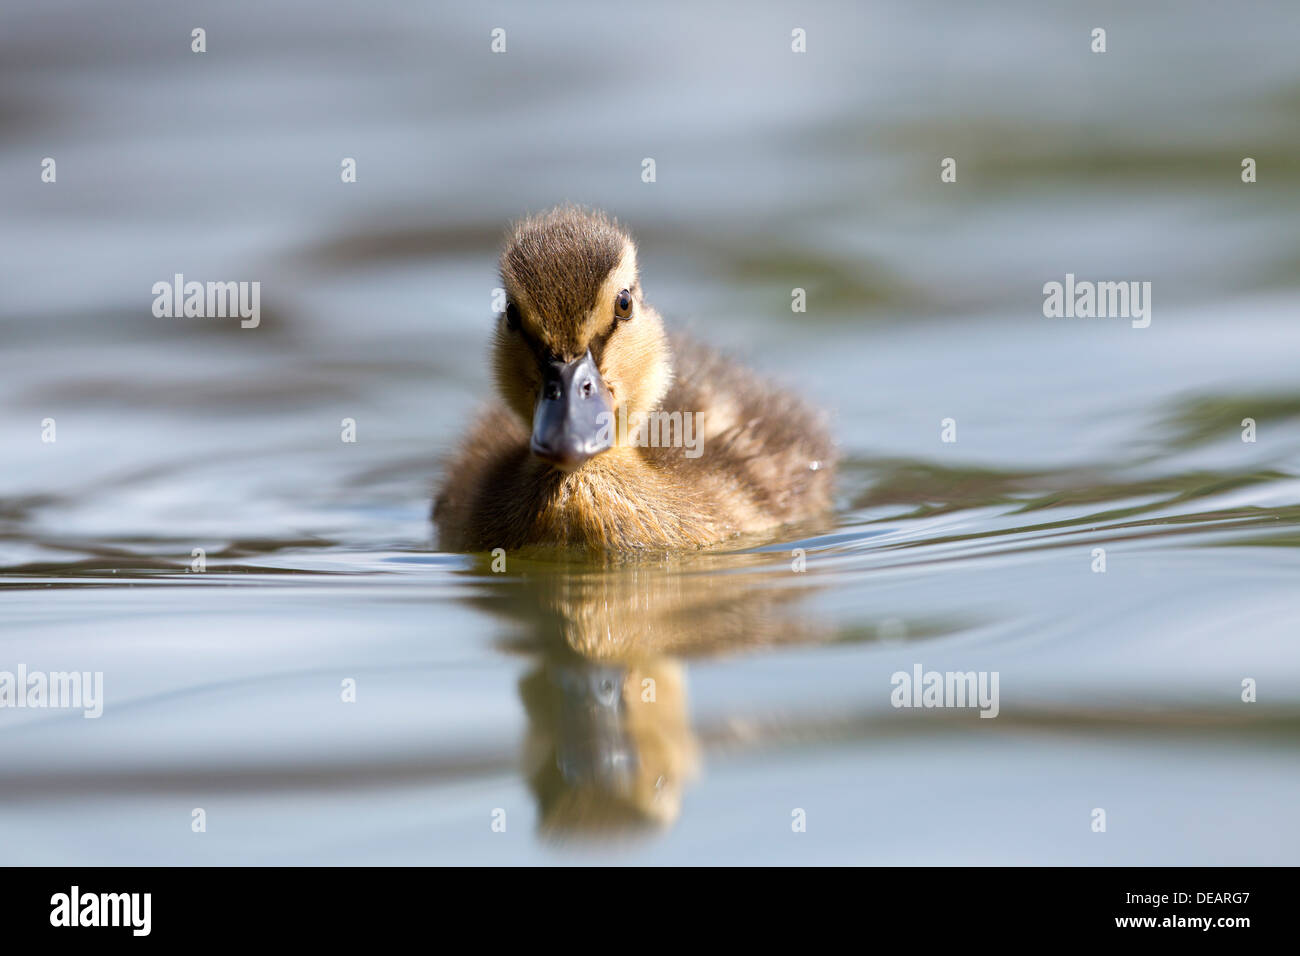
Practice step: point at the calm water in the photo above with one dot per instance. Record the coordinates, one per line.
(520, 692)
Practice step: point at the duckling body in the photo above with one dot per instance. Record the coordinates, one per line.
(583, 359)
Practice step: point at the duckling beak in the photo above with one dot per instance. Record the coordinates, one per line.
(573, 420)
(593, 743)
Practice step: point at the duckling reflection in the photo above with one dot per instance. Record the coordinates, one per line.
(610, 746)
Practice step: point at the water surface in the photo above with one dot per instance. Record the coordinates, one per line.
(521, 691)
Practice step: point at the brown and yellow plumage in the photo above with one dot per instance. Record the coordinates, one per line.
(564, 349)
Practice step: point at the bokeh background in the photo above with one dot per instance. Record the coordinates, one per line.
(519, 692)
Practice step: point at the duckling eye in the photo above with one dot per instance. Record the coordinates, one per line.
(623, 305)
(512, 317)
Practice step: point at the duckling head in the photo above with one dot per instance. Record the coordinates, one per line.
(577, 349)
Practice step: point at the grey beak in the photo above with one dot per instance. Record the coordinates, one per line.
(573, 420)
(593, 744)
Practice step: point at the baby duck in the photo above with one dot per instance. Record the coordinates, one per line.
(609, 436)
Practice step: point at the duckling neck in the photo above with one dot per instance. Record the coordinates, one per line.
(617, 500)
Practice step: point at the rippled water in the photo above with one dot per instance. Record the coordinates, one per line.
(522, 691)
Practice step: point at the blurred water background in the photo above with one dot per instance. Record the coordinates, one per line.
(520, 692)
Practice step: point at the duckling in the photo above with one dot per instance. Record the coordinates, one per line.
(569, 457)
